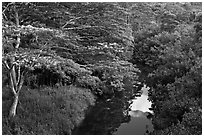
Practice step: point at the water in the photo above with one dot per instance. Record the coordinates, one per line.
(118, 117)
(139, 123)
(136, 126)
(141, 103)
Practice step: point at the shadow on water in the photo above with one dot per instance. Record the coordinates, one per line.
(103, 119)
(126, 113)
(118, 116)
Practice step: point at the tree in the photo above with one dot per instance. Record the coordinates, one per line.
(101, 27)
(15, 74)
(172, 48)
(19, 56)
(35, 34)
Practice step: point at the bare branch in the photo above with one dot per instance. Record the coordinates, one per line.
(4, 16)
(16, 16)
(7, 7)
(17, 25)
(75, 20)
(6, 64)
(12, 66)
(19, 74)
(18, 41)
(70, 21)
(20, 84)
(13, 73)
(12, 84)
(83, 27)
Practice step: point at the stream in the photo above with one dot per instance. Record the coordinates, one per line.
(117, 116)
(139, 112)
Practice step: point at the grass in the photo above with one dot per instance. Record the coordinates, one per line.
(46, 111)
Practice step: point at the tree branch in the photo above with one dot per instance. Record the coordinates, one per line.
(76, 19)
(20, 83)
(4, 16)
(7, 7)
(13, 73)
(83, 27)
(19, 74)
(6, 64)
(70, 22)
(12, 84)
(17, 25)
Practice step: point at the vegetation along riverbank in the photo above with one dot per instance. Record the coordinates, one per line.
(59, 59)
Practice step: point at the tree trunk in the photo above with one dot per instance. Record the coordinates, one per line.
(12, 112)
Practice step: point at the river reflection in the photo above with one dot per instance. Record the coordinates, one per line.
(112, 116)
(141, 103)
(139, 124)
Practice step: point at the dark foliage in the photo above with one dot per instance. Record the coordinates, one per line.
(173, 50)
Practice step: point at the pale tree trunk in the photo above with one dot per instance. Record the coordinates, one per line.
(15, 74)
(16, 83)
(13, 108)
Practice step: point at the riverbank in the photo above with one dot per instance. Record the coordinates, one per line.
(46, 111)
(55, 109)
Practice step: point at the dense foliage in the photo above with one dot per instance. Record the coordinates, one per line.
(173, 48)
(65, 55)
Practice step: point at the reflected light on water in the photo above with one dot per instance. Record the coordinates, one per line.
(139, 123)
(110, 117)
(141, 103)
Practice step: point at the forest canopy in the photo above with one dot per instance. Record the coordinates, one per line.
(55, 54)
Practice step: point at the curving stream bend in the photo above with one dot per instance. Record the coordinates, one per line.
(117, 117)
